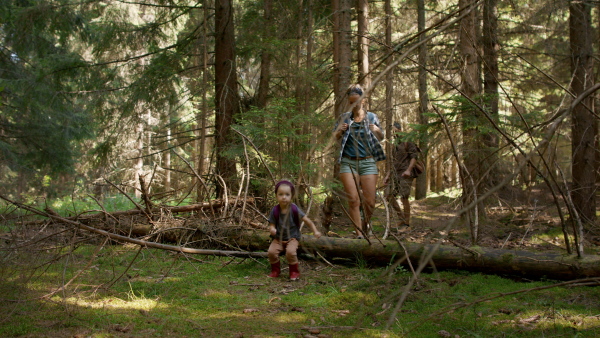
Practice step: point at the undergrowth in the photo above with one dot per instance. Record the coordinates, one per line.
(126, 292)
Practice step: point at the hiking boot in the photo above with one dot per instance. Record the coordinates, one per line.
(275, 270)
(294, 273)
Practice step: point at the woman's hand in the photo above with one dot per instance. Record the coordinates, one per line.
(317, 234)
(273, 231)
(341, 129)
(407, 174)
(376, 131)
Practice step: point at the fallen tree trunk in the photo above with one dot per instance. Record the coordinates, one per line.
(520, 263)
(173, 209)
(552, 265)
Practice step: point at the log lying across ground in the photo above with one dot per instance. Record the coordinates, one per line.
(534, 265)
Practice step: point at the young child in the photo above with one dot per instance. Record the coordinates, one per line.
(284, 225)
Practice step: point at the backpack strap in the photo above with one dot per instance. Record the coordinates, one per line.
(276, 212)
(295, 214)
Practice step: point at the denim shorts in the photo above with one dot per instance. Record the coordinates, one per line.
(367, 166)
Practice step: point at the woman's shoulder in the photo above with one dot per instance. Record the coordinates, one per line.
(372, 116)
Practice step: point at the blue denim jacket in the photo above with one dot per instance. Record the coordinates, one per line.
(372, 142)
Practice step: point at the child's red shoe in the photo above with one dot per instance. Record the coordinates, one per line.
(275, 270)
(294, 273)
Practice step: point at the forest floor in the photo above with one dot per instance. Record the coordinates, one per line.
(127, 291)
(515, 219)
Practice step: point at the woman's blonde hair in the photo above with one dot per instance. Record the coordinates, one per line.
(355, 88)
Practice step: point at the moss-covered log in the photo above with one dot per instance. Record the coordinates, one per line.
(521, 263)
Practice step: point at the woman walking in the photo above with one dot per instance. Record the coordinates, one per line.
(360, 133)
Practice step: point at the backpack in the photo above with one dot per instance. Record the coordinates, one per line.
(295, 214)
(419, 166)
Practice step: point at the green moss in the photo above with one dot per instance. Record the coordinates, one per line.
(165, 294)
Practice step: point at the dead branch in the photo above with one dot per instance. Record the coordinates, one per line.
(138, 241)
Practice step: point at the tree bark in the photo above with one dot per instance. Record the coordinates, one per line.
(584, 126)
(167, 153)
(226, 97)
(389, 85)
(490, 87)
(342, 48)
(422, 180)
(201, 192)
(139, 162)
(496, 261)
(364, 77)
(265, 62)
(471, 88)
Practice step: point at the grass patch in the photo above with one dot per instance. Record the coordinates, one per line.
(166, 294)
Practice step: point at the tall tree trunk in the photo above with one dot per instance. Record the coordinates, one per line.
(471, 88)
(584, 126)
(309, 71)
(226, 99)
(167, 154)
(335, 8)
(342, 47)
(490, 87)
(265, 62)
(422, 180)
(139, 162)
(364, 77)
(200, 188)
(389, 85)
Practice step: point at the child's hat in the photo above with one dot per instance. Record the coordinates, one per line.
(286, 182)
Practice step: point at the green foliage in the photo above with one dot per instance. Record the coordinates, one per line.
(41, 122)
(68, 206)
(277, 132)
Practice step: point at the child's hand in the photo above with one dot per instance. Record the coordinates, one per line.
(317, 234)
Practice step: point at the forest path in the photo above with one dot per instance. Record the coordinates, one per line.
(519, 220)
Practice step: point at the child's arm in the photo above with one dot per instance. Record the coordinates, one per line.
(312, 226)
(272, 230)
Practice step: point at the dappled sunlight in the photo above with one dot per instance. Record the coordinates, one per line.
(217, 294)
(158, 279)
(550, 319)
(136, 303)
(282, 317)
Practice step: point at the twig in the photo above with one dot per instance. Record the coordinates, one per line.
(225, 196)
(197, 176)
(257, 152)
(471, 251)
(412, 269)
(132, 201)
(348, 214)
(456, 306)
(111, 283)
(323, 258)
(503, 244)
(137, 241)
(78, 274)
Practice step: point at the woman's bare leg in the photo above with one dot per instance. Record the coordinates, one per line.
(350, 181)
(368, 184)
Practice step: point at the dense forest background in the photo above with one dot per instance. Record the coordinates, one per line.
(193, 101)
